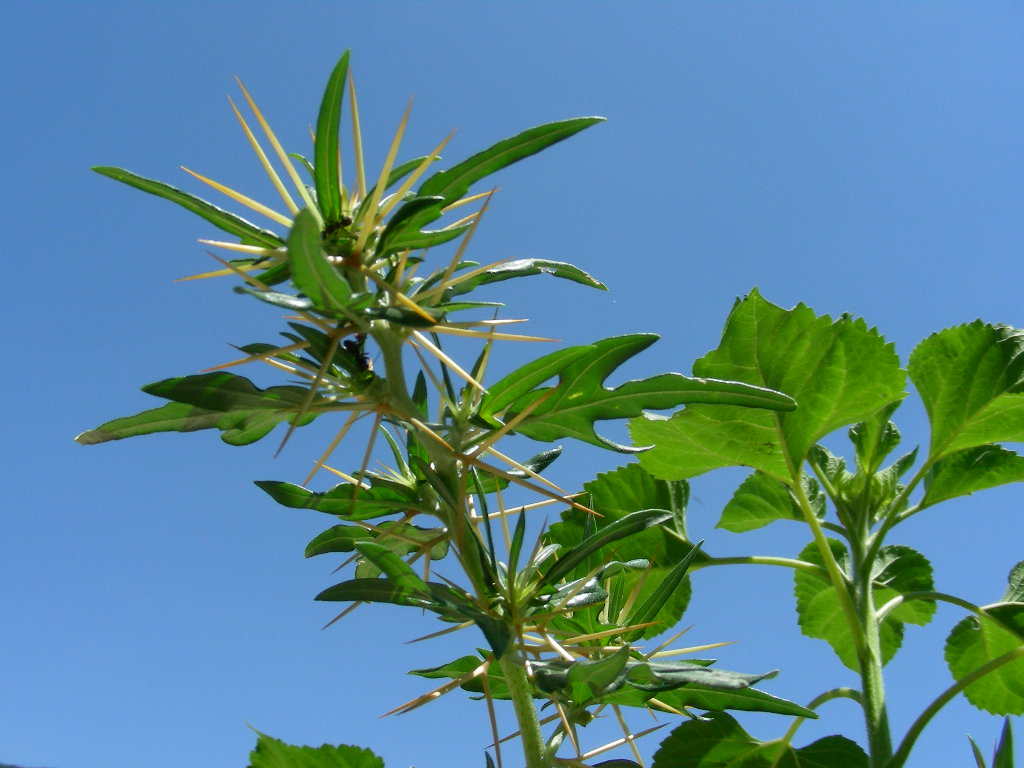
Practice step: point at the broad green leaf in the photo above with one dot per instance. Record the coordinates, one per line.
(971, 469)
(898, 570)
(589, 680)
(971, 380)
(326, 150)
(1015, 589)
(242, 411)
(345, 500)
(456, 181)
(762, 499)
(975, 641)
(523, 268)
(271, 753)
(229, 222)
(839, 372)
(718, 741)
(570, 408)
(311, 272)
(614, 495)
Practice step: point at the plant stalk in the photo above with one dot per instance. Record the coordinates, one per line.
(520, 692)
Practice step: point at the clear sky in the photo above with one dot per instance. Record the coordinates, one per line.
(858, 157)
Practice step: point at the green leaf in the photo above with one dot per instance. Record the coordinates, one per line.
(579, 399)
(1003, 757)
(718, 741)
(762, 499)
(407, 220)
(898, 570)
(311, 272)
(971, 380)
(377, 591)
(399, 572)
(523, 268)
(326, 151)
(229, 222)
(971, 469)
(620, 529)
(589, 680)
(271, 753)
(345, 500)
(697, 696)
(456, 181)
(977, 640)
(613, 496)
(840, 372)
(242, 411)
(653, 606)
(1015, 589)
(875, 438)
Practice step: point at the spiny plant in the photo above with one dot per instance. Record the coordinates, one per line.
(563, 618)
(369, 303)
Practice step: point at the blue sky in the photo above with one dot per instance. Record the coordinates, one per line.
(860, 158)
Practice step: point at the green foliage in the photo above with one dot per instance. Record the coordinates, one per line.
(431, 528)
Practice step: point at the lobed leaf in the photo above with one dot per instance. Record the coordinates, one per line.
(898, 570)
(580, 399)
(839, 372)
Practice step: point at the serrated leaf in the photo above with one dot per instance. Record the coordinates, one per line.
(898, 570)
(972, 469)
(311, 272)
(456, 181)
(345, 499)
(975, 641)
(242, 411)
(1015, 589)
(718, 741)
(839, 372)
(762, 499)
(580, 398)
(225, 220)
(271, 753)
(971, 380)
(326, 149)
(524, 268)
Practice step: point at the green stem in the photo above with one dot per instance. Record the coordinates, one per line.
(903, 752)
(520, 692)
(817, 701)
(784, 562)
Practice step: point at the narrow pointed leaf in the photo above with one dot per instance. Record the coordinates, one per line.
(839, 372)
(225, 220)
(1003, 756)
(311, 272)
(326, 149)
(271, 753)
(456, 181)
(376, 591)
(620, 529)
(971, 380)
(523, 268)
(394, 567)
(242, 411)
(344, 500)
(651, 608)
